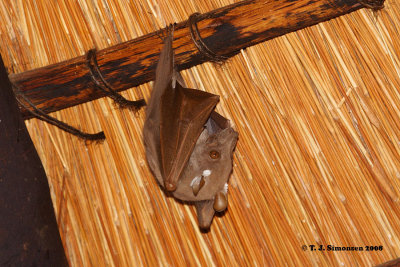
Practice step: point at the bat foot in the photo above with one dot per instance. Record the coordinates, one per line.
(164, 33)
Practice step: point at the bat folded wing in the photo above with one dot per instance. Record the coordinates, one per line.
(184, 113)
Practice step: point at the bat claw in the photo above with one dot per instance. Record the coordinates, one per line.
(170, 186)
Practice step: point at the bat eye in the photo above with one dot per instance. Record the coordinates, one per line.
(214, 154)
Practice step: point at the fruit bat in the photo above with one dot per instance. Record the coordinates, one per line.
(188, 145)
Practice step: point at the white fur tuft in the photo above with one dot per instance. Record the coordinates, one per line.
(206, 173)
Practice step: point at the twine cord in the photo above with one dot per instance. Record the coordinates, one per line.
(199, 43)
(374, 5)
(106, 87)
(41, 115)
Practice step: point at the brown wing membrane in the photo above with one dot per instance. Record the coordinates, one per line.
(151, 129)
(184, 113)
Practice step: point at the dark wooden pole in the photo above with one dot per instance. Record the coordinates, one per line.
(224, 31)
(28, 229)
(392, 263)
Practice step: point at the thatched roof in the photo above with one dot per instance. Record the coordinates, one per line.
(318, 157)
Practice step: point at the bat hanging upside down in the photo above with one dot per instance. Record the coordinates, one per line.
(188, 145)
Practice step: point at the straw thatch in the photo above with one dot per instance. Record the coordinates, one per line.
(317, 163)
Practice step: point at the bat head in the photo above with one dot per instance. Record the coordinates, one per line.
(205, 177)
(209, 166)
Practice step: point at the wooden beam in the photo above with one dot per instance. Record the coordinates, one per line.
(225, 31)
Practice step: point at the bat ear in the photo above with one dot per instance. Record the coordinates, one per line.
(203, 136)
(220, 202)
(229, 137)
